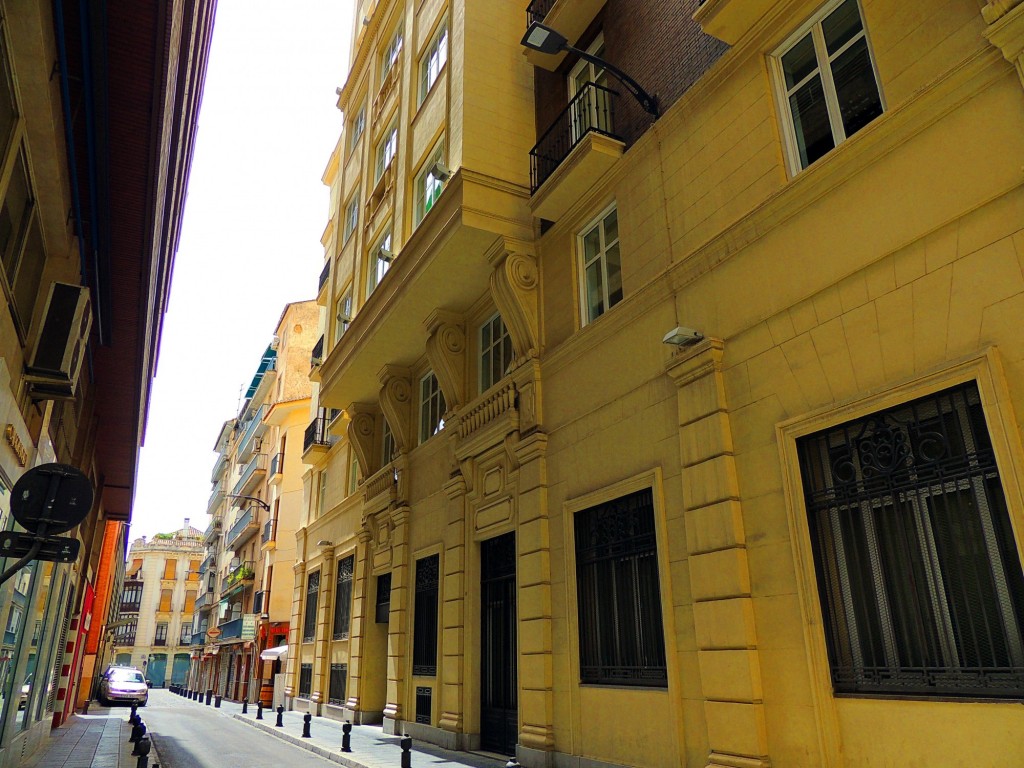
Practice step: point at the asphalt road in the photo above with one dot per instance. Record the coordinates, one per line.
(189, 736)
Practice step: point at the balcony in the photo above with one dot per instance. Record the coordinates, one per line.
(260, 602)
(10, 637)
(238, 577)
(199, 638)
(577, 149)
(269, 540)
(121, 641)
(159, 641)
(216, 497)
(218, 468)
(212, 531)
(250, 440)
(130, 607)
(208, 563)
(230, 630)
(243, 529)
(316, 356)
(276, 471)
(254, 471)
(316, 441)
(569, 17)
(325, 275)
(730, 20)
(204, 601)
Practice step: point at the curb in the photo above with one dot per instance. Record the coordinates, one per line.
(336, 757)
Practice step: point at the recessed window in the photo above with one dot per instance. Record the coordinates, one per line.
(160, 636)
(21, 243)
(424, 643)
(321, 493)
(434, 60)
(312, 597)
(389, 57)
(356, 126)
(386, 151)
(622, 640)
(495, 352)
(387, 444)
(379, 262)
(827, 82)
(590, 106)
(343, 597)
(430, 183)
(432, 407)
(305, 680)
(336, 690)
(920, 582)
(353, 473)
(600, 265)
(351, 218)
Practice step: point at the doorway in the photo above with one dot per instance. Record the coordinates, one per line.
(499, 714)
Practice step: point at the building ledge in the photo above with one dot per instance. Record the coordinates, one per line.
(590, 159)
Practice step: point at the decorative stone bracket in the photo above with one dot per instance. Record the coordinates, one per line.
(395, 398)
(1006, 30)
(446, 347)
(514, 287)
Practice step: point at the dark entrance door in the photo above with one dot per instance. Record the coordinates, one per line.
(499, 716)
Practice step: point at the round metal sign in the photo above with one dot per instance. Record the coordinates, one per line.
(58, 495)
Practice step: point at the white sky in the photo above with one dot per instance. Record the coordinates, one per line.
(250, 237)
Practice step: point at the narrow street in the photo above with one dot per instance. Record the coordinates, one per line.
(189, 736)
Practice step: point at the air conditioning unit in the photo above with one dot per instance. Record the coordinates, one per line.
(275, 343)
(56, 360)
(257, 444)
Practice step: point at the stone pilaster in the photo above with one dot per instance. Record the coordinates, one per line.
(535, 636)
(398, 622)
(324, 629)
(453, 610)
(1005, 30)
(294, 631)
(360, 618)
(723, 610)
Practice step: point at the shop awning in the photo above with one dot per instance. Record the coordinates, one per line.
(274, 653)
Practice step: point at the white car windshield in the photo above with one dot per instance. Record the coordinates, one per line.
(126, 676)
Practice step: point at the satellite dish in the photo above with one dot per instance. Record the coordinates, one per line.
(58, 496)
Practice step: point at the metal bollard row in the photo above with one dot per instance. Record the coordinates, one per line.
(259, 710)
(406, 744)
(280, 717)
(306, 719)
(346, 737)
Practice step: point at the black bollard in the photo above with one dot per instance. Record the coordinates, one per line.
(306, 718)
(142, 747)
(406, 752)
(280, 717)
(138, 731)
(85, 707)
(245, 706)
(216, 701)
(209, 696)
(259, 710)
(346, 737)
(134, 716)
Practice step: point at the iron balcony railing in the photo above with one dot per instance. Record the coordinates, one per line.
(316, 356)
(212, 530)
(324, 274)
(203, 600)
(216, 497)
(159, 641)
(240, 526)
(186, 637)
(208, 563)
(229, 630)
(130, 607)
(237, 576)
(592, 110)
(538, 10)
(121, 640)
(269, 531)
(316, 434)
(218, 468)
(258, 463)
(276, 464)
(254, 423)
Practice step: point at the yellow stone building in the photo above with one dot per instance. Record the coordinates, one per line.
(790, 534)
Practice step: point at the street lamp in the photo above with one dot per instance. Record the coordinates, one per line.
(546, 40)
(259, 502)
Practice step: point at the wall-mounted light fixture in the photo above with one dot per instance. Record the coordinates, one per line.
(546, 40)
(440, 171)
(683, 337)
(325, 543)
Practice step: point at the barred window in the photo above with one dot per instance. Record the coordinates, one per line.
(383, 612)
(339, 676)
(622, 641)
(424, 649)
(920, 583)
(343, 598)
(305, 680)
(312, 596)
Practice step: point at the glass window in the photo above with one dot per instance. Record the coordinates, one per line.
(336, 691)
(434, 60)
(424, 648)
(495, 352)
(351, 218)
(353, 473)
(312, 596)
(343, 315)
(356, 126)
(432, 407)
(387, 444)
(430, 182)
(622, 640)
(921, 587)
(8, 101)
(382, 605)
(343, 598)
(379, 262)
(305, 680)
(386, 152)
(160, 636)
(391, 52)
(601, 267)
(828, 82)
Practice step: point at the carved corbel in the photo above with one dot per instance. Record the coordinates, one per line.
(361, 433)
(395, 402)
(446, 351)
(514, 284)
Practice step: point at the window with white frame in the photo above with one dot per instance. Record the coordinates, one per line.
(430, 182)
(433, 60)
(343, 315)
(390, 54)
(321, 494)
(351, 218)
(353, 473)
(379, 261)
(432, 407)
(827, 83)
(600, 265)
(356, 126)
(387, 444)
(495, 351)
(386, 151)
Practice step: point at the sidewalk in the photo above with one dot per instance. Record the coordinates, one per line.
(371, 747)
(96, 740)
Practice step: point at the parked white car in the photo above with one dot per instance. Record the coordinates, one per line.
(125, 685)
